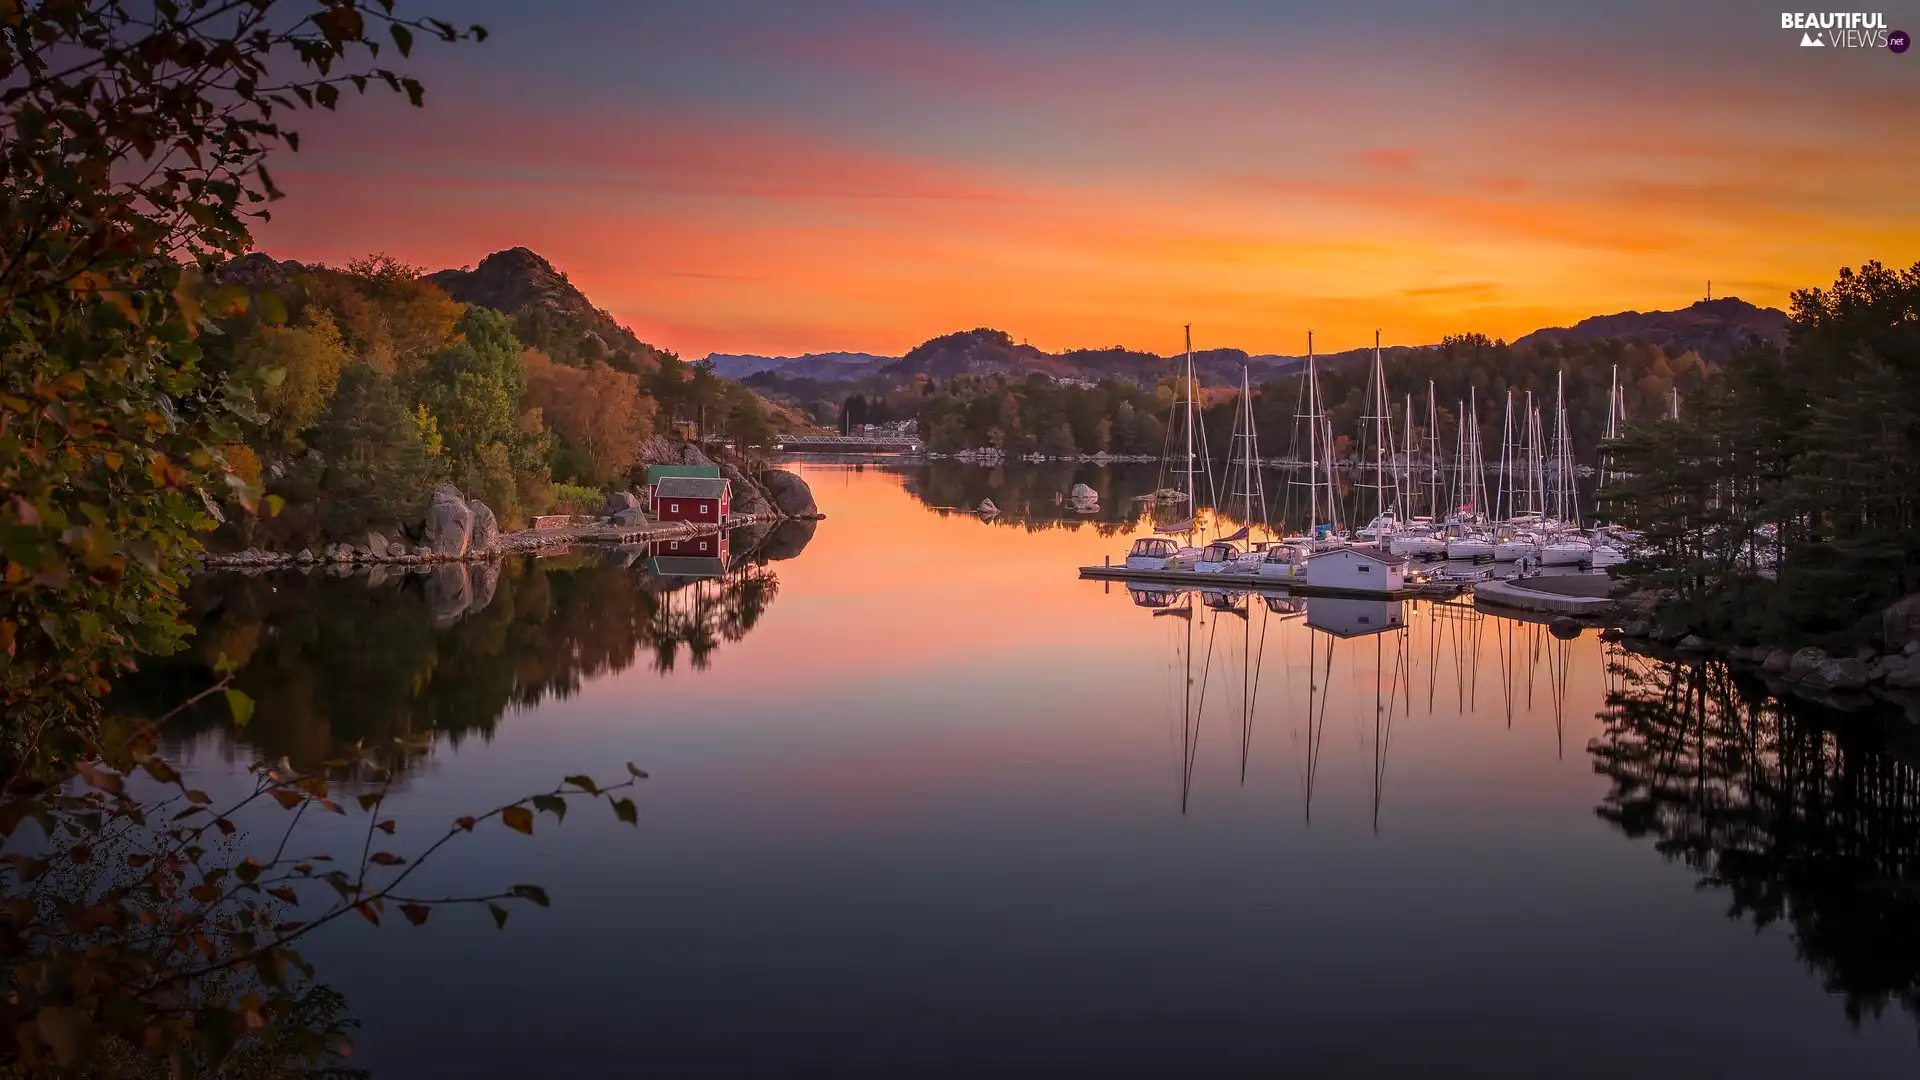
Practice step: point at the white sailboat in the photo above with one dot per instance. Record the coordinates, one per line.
(1152, 553)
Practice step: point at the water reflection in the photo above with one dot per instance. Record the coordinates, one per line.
(1802, 818)
(332, 658)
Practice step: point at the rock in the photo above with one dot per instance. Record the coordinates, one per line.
(1611, 633)
(987, 509)
(1900, 623)
(617, 502)
(1668, 635)
(1776, 662)
(449, 523)
(1637, 628)
(1803, 661)
(747, 496)
(1884, 666)
(375, 542)
(1865, 653)
(633, 518)
(422, 551)
(1692, 643)
(1848, 674)
(485, 578)
(790, 495)
(1565, 627)
(1903, 673)
(304, 557)
(396, 549)
(378, 576)
(1082, 493)
(1911, 647)
(484, 534)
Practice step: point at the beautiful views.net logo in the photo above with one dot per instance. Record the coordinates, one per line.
(1845, 30)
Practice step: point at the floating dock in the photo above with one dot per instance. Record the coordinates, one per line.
(1194, 579)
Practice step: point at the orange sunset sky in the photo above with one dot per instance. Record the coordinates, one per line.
(795, 177)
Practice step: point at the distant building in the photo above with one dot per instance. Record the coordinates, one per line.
(703, 499)
(1360, 569)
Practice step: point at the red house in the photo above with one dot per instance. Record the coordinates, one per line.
(692, 498)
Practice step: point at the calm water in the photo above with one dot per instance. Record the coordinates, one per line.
(923, 803)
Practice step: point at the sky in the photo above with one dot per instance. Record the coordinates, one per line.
(820, 175)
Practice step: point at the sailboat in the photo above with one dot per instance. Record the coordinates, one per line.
(1470, 489)
(1422, 536)
(1323, 514)
(1378, 426)
(1563, 546)
(1158, 552)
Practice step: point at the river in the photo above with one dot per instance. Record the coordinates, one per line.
(921, 802)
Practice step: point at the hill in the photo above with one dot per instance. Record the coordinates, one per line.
(1715, 329)
(825, 366)
(548, 312)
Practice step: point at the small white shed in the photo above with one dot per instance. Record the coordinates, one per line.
(1360, 569)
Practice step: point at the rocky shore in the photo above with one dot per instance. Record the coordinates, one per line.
(456, 529)
(1890, 670)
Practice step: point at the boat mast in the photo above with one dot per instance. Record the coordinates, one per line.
(1313, 438)
(1433, 456)
(1193, 493)
(1505, 479)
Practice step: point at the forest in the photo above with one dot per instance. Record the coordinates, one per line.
(375, 384)
(1780, 506)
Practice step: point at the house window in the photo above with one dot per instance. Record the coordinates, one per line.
(704, 507)
(1366, 569)
(673, 508)
(1366, 618)
(676, 545)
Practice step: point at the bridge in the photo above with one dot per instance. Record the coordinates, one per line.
(850, 444)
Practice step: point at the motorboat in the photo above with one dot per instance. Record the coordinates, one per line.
(1218, 557)
(1381, 527)
(1283, 561)
(1414, 543)
(1606, 555)
(1152, 553)
(1153, 596)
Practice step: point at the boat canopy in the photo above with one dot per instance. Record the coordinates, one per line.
(1153, 546)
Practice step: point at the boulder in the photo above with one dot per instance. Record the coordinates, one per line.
(619, 501)
(1847, 674)
(633, 518)
(422, 551)
(747, 496)
(1637, 628)
(1803, 661)
(484, 534)
(1776, 662)
(449, 523)
(1692, 643)
(396, 549)
(304, 557)
(1668, 635)
(987, 509)
(1884, 666)
(375, 542)
(1564, 627)
(1911, 647)
(790, 495)
(1903, 673)
(1900, 623)
(1082, 493)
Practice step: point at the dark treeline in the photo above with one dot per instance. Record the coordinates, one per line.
(1800, 823)
(1780, 507)
(1035, 413)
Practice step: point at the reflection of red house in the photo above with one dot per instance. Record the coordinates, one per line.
(690, 556)
(692, 498)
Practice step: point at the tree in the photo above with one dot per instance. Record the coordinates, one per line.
(391, 317)
(598, 415)
(297, 368)
(376, 449)
(132, 147)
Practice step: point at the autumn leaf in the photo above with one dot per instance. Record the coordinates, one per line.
(416, 913)
(518, 818)
(531, 892)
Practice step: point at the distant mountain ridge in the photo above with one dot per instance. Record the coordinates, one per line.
(1713, 328)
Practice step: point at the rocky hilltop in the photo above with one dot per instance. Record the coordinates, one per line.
(1715, 329)
(549, 312)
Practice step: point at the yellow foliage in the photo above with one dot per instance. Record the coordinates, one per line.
(300, 366)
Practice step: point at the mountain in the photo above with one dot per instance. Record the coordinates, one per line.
(827, 367)
(549, 313)
(1715, 329)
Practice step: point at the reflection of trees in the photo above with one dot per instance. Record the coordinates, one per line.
(1798, 820)
(332, 661)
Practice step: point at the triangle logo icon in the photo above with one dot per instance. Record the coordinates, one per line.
(1808, 41)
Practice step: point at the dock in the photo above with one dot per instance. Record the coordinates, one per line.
(1193, 579)
(1573, 594)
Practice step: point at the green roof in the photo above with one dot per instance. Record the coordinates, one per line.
(704, 472)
